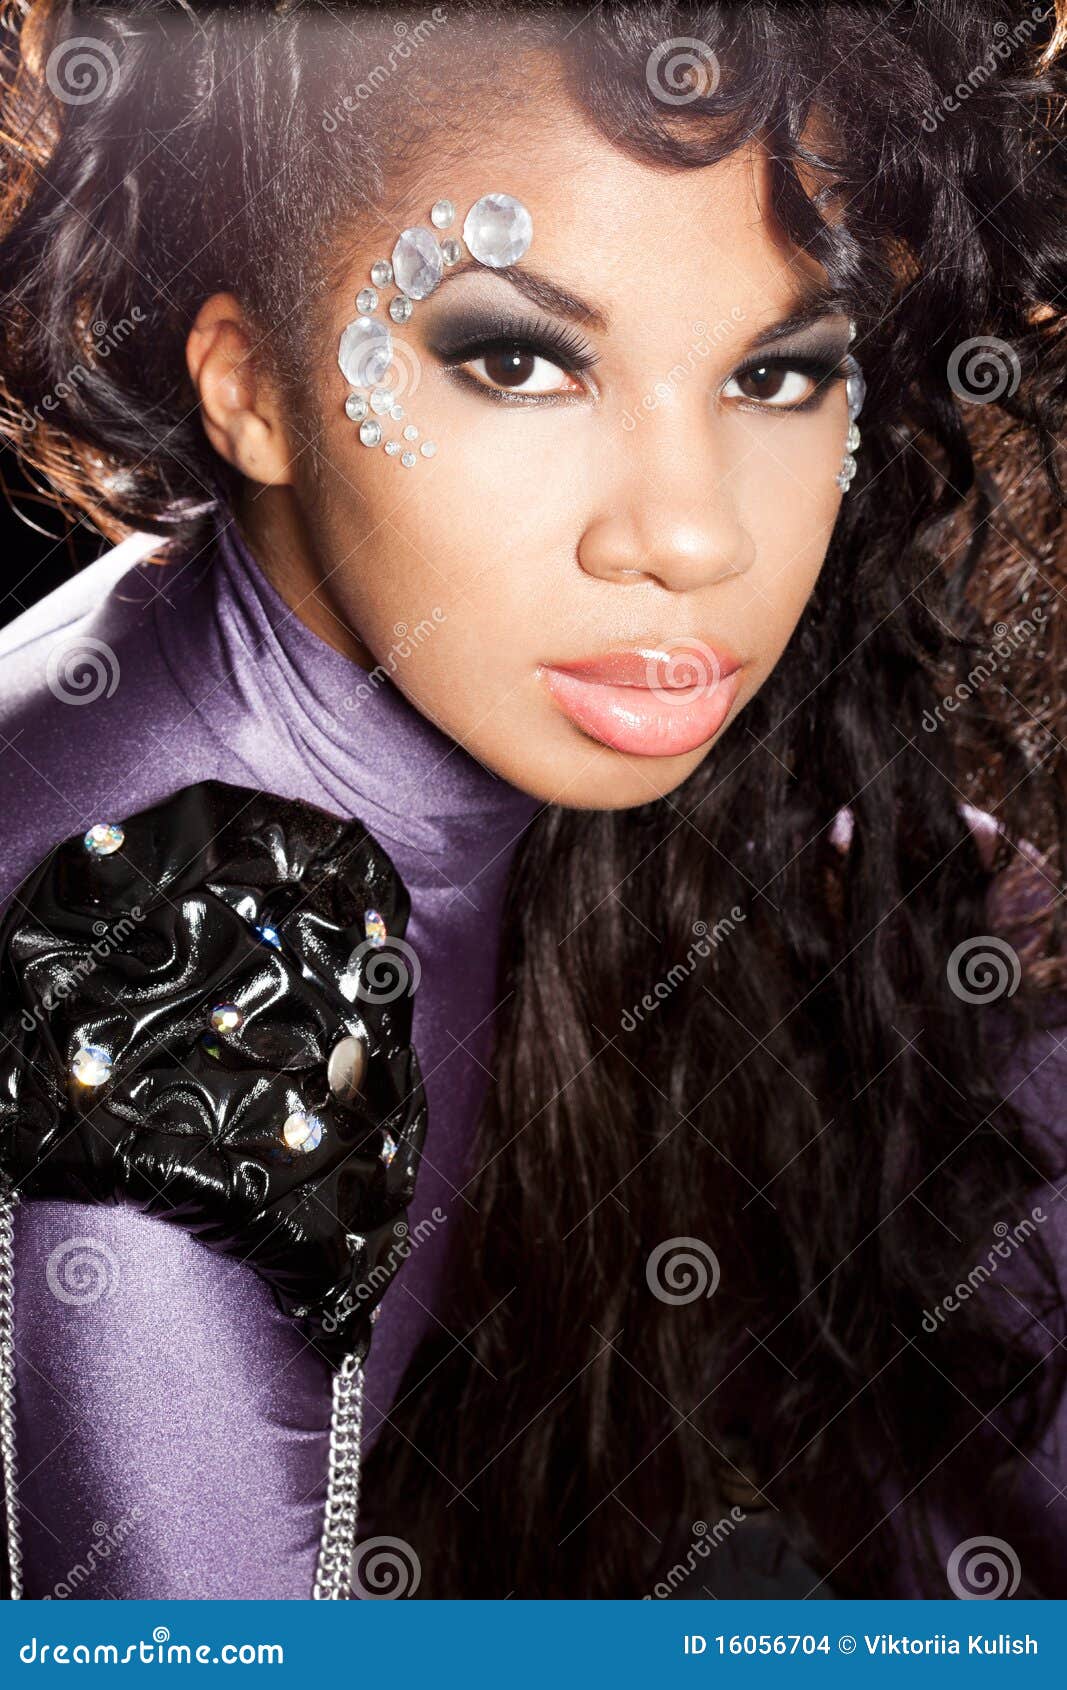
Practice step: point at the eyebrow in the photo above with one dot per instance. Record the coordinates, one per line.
(809, 304)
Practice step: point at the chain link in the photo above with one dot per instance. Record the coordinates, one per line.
(8, 1201)
(338, 1542)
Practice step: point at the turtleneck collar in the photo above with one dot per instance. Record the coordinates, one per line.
(308, 718)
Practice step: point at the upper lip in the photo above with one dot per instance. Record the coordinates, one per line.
(676, 664)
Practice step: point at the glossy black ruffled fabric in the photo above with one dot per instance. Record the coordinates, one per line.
(222, 896)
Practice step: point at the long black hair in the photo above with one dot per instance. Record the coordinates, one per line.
(732, 1054)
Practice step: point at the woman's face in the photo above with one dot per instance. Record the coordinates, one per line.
(622, 505)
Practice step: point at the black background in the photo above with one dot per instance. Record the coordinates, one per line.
(32, 563)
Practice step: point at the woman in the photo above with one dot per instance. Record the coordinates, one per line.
(640, 584)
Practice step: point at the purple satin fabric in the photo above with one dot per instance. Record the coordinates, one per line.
(172, 1423)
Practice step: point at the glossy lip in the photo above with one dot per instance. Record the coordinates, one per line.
(649, 701)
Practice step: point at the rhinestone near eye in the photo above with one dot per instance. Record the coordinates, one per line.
(366, 300)
(411, 432)
(303, 1132)
(365, 352)
(370, 432)
(381, 273)
(428, 448)
(381, 401)
(451, 251)
(397, 413)
(392, 447)
(498, 229)
(104, 839)
(442, 214)
(408, 459)
(355, 407)
(400, 309)
(91, 1065)
(226, 1018)
(417, 262)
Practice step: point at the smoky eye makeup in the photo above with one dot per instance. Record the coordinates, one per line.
(795, 374)
(512, 346)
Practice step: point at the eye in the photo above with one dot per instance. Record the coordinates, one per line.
(519, 369)
(782, 383)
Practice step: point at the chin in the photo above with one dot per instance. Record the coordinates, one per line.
(600, 778)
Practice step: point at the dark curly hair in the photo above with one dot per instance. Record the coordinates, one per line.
(814, 1101)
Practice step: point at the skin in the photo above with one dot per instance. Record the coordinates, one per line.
(625, 506)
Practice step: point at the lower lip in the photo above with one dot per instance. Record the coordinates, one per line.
(640, 721)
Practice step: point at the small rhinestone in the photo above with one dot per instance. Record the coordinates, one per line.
(103, 839)
(428, 448)
(451, 251)
(389, 1148)
(269, 937)
(355, 407)
(366, 300)
(355, 1242)
(226, 1018)
(397, 413)
(374, 929)
(210, 1043)
(400, 308)
(370, 432)
(303, 1132)
(91, 1065)
(411, 432)
(381, 401)
(381, 273)
(442, 214)
(392, 447)
(346, 1067)
(408, 459)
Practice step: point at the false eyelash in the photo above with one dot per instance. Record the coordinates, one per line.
(564, 346)
(824, 369)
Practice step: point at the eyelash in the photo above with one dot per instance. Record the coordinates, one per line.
(565, 348)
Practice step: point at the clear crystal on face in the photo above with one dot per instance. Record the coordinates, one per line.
(370, 432)
(400, 308)
(442, 214)
(356, 407)
(417, 262)
(451, 251)
(381, 401)
(428, 448)
(366, 352)
(392, 447)
(366, 300)
(498, 229)
(303, 1132)
(226, 1018)
(397, 413)
(411, 432)
(91, 1065)
(408, 459)
(855, 388)
(103, 839)
(381, 272)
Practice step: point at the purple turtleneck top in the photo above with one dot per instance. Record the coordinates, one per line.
(172, 1423)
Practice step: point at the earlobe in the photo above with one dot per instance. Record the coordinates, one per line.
(238, 401)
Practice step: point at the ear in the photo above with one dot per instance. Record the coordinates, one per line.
(239, 403)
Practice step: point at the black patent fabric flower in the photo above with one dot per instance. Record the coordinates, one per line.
(206, 1011)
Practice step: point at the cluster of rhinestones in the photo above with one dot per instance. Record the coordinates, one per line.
(855, 390)
(497, 231)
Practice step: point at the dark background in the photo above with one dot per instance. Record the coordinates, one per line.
(32, 562)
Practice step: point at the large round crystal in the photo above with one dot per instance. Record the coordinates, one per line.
(498, 229)
(366, 352)
(417, 263)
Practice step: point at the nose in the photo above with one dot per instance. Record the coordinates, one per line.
(668, 516)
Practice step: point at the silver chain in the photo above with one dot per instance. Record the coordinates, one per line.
(8, 1200)
(333, 1575)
